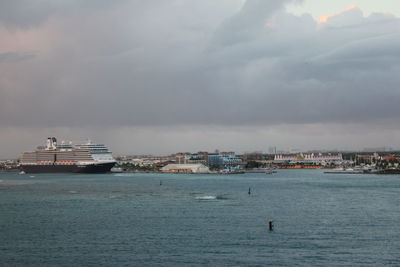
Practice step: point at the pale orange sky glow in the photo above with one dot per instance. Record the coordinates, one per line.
(350, 7)
(318, 8)
(325, 18)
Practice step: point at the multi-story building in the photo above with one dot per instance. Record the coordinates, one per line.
(227, 161)
(198, 158)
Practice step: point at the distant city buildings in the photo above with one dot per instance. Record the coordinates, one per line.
(218, 161)
(9, 165)
(144, 163)
(185, 168)
(225, 161)
(321, 159)
(229, 162)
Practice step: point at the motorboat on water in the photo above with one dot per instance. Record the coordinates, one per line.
(345, 171)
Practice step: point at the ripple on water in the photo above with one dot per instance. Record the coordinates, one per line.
(116, 220)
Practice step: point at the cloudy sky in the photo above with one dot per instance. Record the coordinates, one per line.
(160, 76)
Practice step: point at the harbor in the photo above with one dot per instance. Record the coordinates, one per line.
(94, 158)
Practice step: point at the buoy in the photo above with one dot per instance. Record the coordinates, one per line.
(271, 225)
(249, 190)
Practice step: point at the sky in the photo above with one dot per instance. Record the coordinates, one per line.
(319, 8)
(159, 77)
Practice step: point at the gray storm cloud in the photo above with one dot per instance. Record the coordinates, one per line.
(27, 13)
(154, 63)
(159, 63)
(12, 56)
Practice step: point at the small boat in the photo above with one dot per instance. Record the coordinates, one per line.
(344, 171)
(116, 170)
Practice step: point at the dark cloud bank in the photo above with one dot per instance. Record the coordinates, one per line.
(174, 63)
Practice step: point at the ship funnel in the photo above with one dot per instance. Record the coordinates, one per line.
(51, 143)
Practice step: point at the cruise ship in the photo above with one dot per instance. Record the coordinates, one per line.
(67, 158)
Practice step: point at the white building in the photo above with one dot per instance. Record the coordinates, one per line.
(185, 168)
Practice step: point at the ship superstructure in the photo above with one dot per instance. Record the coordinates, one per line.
(68, 157)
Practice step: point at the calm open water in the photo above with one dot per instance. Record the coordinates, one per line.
(193, 220)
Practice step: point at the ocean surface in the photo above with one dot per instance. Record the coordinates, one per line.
(200, 220)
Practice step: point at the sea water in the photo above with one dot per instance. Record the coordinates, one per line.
(195, 220)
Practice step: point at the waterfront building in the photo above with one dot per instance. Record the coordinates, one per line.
(189, 158)
(198, 158)
(214, 160)
(227, 161)
(180, 158)
(185, 168)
